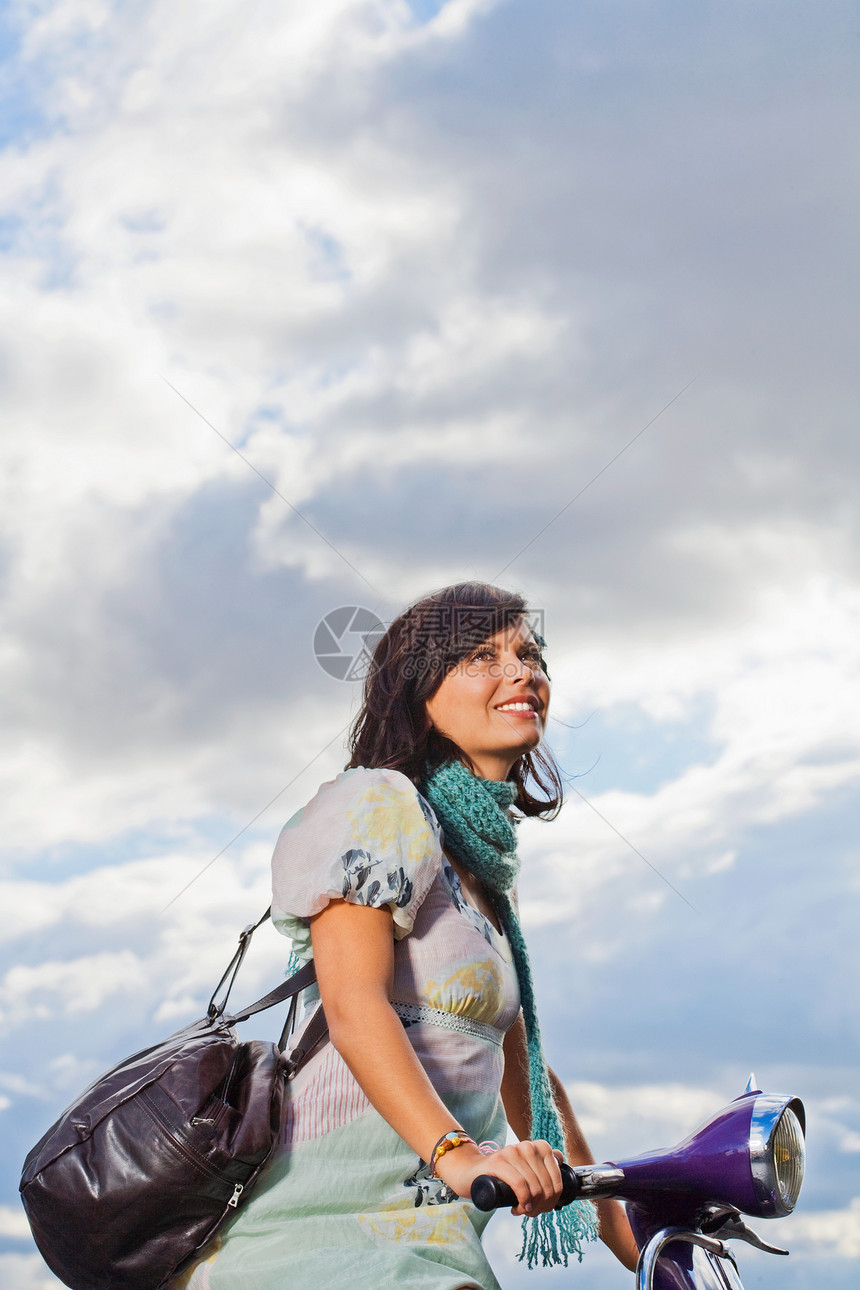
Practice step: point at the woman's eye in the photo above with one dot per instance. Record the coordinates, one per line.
(483, 653)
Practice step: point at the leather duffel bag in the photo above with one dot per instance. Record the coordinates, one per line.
(138, 1174)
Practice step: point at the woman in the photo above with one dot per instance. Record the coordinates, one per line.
(398, 878)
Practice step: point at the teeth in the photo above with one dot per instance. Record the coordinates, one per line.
(516, 707)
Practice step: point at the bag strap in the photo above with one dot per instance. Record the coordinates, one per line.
(232, 969)
(293, 985)
(313, 1033)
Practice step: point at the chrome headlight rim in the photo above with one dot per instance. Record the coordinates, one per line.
(767, 1113)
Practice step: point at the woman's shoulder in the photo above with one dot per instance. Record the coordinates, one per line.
(366, 789)
(367, 837)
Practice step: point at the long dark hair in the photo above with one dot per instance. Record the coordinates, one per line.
(409, 664)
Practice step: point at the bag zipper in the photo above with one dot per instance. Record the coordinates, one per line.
(186, 1149)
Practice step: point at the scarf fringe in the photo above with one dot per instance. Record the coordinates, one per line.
(550, 1239)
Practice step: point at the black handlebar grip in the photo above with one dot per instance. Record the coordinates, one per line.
(491, 1193)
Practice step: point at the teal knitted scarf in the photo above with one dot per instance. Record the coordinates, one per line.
(479, 830)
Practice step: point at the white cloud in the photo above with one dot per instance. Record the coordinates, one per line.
(13, 1224)
(628, 1119)
(26, 1272)
(158, 177)
(168, 962)
(241, 232)
(829, 1232)
(835, 1121)
(68, 988)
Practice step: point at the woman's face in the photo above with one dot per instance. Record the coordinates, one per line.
(494, 703)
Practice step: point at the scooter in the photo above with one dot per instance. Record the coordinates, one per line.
(684, 1204)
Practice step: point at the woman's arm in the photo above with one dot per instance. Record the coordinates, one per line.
(354, 955)
(614, 1228)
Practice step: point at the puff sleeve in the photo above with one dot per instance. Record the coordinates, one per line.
(367, 837)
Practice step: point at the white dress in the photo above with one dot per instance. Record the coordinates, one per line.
(344, 1200)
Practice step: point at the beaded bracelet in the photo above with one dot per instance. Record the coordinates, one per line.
(448, 1141)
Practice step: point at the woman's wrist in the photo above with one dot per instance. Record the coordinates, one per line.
(453, 1165)
(448, 1142)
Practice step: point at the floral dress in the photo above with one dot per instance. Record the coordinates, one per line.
(344, 1201)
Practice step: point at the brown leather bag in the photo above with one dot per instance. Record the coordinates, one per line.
(139, 1173)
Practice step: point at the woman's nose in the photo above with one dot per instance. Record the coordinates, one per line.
(518, 669)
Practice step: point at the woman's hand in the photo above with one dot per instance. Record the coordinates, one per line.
(529, 1168)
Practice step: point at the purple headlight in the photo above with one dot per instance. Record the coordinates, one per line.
(749, 1155)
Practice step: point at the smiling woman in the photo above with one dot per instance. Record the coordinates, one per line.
(399, 878)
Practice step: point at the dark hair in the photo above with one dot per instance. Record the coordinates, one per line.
(409, 664)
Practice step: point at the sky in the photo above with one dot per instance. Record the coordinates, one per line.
(307, 307)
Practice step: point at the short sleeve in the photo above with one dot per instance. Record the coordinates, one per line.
(368, 837)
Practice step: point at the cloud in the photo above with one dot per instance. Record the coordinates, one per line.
(829, 1232)
(99, 968)
(379, 359)
(26, 1272)
(624, 1117)
(13, 1224)
(837, 1123)
(70, 988)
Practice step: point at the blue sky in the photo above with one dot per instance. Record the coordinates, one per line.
(434, 267)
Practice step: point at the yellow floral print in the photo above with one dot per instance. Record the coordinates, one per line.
(381, 822)
(474, 990)
(434, 1225)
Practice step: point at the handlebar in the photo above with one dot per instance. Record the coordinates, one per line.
(491, 1193)
(578, 1181)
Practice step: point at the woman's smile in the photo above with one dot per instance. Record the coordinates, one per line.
(522, 708)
